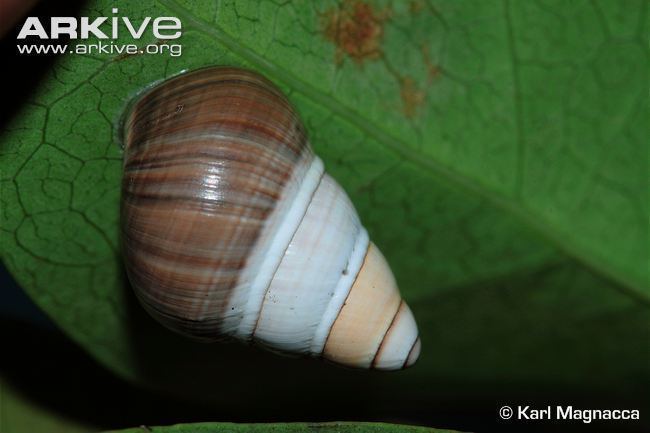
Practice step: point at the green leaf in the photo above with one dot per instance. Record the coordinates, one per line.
(496, 152)
(20, 414)
(338, 427)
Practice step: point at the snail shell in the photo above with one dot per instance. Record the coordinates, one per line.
(231, 228)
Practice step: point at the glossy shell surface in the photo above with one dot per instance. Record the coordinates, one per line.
(231, 228)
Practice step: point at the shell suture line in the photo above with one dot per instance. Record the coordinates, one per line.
(279, 243)
(341, 292)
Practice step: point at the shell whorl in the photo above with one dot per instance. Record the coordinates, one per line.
(230, 227)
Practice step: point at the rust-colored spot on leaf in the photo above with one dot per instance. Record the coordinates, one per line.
(433, 70)
(412, 96)
(416, 6)
(356, 29)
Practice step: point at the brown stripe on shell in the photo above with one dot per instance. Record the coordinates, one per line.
(402, 305)
(207, 157)
(258, 108)
(415, 343)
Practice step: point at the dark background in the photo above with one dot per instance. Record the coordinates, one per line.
(53, 372)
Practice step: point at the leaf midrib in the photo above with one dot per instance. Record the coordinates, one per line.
(451, 178)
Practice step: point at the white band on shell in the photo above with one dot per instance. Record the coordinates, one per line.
(278, 245)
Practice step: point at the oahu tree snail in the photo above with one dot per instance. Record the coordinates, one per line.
(231, 229)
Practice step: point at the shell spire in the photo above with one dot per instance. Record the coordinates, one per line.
(232, 229)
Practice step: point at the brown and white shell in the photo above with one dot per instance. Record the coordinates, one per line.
(231, 228)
